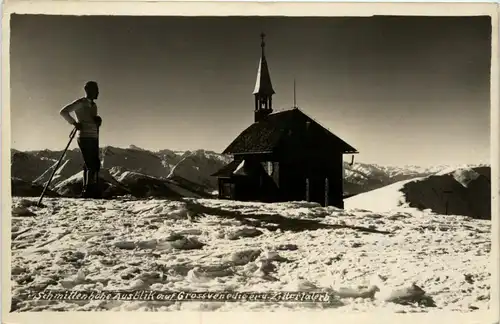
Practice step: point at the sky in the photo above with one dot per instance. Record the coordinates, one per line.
(401, 90)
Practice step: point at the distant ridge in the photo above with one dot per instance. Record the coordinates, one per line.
(462, 191)
(192, 169)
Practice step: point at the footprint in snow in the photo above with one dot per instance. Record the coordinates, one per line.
(72, 256)
(301, 285)
(172, 237)
(177, 269)
(332, 260)
(175, 241)
(96, 252)
(404, 295)
(78, 279)
(20, 234)
(129, 273)
(191, 231)
(196, 275)
(287, 247)
(41, 283)
(138, 284)
(108, 262)
(17, 270)
(147, 244)
(125, 245)
(28, 203)
(21, 211)
(245, 256)
(186, 243)
(150, 278)
(214, 271)
(272, 256)
(244, 232)
(344, 292)
(259, 268)
(264, 268)
(250, 267)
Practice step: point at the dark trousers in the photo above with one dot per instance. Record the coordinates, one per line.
(90, 152)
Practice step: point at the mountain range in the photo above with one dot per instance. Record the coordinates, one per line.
(142, 173)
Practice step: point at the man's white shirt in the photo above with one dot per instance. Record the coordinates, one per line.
(85, 110)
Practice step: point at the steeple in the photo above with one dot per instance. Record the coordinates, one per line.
(263, 91)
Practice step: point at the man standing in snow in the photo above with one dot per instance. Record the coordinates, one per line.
(87, 124)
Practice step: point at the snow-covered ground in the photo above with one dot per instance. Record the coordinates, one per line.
(366, 261)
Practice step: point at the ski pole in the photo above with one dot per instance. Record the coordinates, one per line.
(71, 136)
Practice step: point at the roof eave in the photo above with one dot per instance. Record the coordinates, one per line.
(266, 93)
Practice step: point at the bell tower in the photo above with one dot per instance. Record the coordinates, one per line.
(263, 91)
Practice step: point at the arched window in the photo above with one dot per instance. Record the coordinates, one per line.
(270, 168)
(263, 103)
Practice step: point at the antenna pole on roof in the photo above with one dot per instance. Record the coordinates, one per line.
(294, 94)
